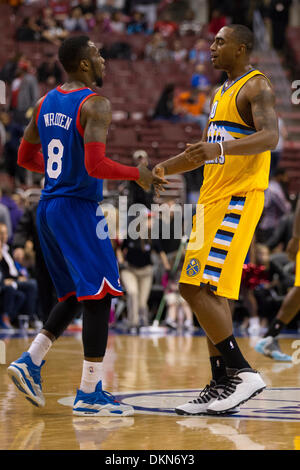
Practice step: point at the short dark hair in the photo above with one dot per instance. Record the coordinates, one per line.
(243, 35)
(72, 51)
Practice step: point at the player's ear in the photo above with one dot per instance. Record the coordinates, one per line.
(84, 65)
(242, 50)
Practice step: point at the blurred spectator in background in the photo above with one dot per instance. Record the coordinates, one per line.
(19, 278)
(189, 107)
(178, 314)
(76, 21)
(14, 132)
(136, 270)
(14, 211)
(49, 71)
(15, 4)
(29, 30)
(194, 180)
(25, 93)
(59, 8)
(164, 108)
(276, 205)
(218, 21)
(169, 226)
(276, 154)
(15, 87)
(269, 291)
(19, 198)
(178, 53)
(135, 194)
(199, 79)
(5, 219)
(102, 22)
(282, 234)
(199, 54)
(279, 16)
(53, 32)
(3, 136)
(147, 7)
(137, 23)
(118, 22)
(157, 49)
(9, 69)
(166, 26)
(11, 299)
(189, 25)
(109, 6)
(26, 230)
(253, 277)
(47, 13)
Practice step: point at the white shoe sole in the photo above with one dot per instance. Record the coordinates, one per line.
(257, 392)
(103, 412)
(204, 413)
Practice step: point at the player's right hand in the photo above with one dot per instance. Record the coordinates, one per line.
(147, 178)
(159, 172)
(292, 248)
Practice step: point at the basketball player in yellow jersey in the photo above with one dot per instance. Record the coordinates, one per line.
(235, 149)
(290, 306)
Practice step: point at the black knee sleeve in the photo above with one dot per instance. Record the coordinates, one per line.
(62, 315)
(95, 320)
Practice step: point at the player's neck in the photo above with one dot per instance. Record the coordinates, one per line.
(238, 71)
(73, 83)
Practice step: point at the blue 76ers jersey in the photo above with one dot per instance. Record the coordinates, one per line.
(61, 136)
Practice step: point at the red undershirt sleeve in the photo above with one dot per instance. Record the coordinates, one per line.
(99, 166)
(30, 157)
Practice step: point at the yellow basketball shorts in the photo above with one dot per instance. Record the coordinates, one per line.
(217, 257)
(297, 276)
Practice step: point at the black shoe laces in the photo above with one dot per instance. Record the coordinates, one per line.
(209, 392)
(230, 387)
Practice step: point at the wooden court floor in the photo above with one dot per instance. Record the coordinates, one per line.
(153, 373)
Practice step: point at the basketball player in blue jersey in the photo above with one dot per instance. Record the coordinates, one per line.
(70, 124)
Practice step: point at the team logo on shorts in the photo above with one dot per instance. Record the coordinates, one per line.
(193, 268)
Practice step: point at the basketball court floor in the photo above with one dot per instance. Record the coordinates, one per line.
(154, 374)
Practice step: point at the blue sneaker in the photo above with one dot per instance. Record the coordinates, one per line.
(99, 403)
(27, 378)
(6, 328)
(269, 347)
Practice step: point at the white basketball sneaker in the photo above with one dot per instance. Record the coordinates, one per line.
(208, 395)
(240, 387)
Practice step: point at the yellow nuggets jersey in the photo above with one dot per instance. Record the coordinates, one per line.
(232, 174)
(231, 202)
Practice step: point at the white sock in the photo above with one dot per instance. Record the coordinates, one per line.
(39, 348)
(91, 374)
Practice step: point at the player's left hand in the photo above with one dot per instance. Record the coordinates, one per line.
(202, 151)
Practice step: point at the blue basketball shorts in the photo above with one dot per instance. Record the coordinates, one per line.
(79, 256)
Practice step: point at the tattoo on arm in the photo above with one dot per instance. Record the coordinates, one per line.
(263, 110)
(96, 119)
